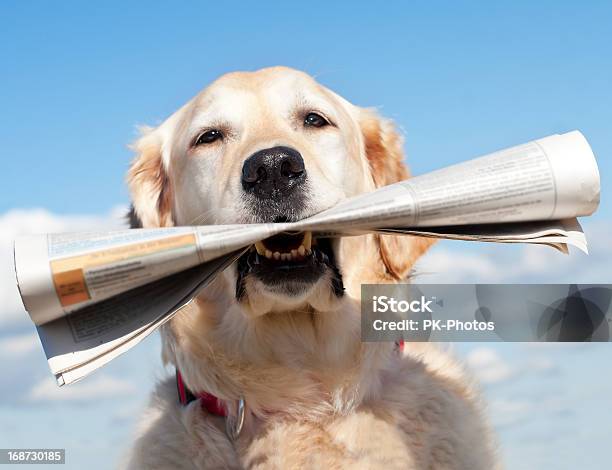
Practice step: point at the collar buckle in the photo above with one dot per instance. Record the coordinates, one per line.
(234, 423)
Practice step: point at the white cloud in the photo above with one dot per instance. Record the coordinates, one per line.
(553, 347)
(454, 266)
(28, 221)
(18, 345)
(488, 366)
(506, 412)
(92, 388)
(540, 364)
(126, 413)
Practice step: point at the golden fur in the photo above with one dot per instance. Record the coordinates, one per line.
(316, 396)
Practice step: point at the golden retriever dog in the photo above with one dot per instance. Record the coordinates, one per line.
(276, 337)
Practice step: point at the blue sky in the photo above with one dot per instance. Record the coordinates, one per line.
(460, 79)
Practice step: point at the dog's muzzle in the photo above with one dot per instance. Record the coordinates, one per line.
(275, 189)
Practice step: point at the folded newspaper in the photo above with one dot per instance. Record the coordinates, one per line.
(93, 296)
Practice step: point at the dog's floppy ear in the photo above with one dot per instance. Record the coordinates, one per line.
(149, 184)
(383, 148)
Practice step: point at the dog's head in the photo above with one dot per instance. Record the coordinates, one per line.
(274, 146)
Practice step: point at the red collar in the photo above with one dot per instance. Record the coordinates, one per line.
(210, 403)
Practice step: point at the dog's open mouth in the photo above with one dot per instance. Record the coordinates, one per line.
(289, 246)
(289, 263)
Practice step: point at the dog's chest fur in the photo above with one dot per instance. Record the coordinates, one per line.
(383, 410)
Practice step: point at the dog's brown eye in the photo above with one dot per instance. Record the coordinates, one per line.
(315, 120)
(208, 137)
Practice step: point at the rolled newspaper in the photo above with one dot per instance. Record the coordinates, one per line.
(95, 295)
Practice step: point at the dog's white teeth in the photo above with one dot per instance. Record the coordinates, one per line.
(261, 249)
(307, 242)
(303, 250)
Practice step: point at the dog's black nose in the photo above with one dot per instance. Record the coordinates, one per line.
(273, 172)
